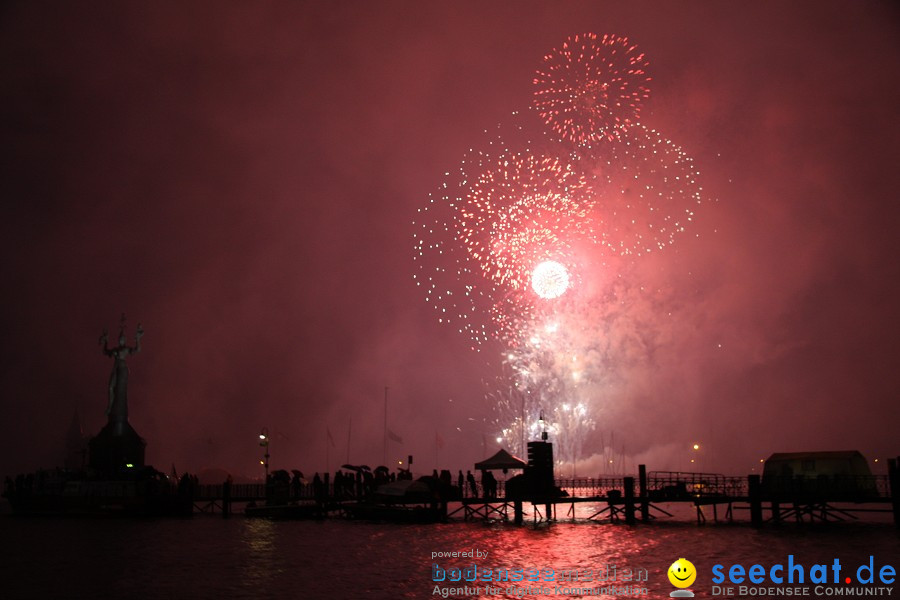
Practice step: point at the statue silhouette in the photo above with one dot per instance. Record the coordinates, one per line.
(118, 447)
(117, 409)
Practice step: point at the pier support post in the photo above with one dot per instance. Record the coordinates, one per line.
(226, 499)
(894, 484)
(629, 500)
(517, 509)
(754, 491)
(642, 491)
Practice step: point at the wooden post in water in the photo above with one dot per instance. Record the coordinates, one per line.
(629, 500)
(894, 485)
(517, 509)
(754, 491)
(226, 499)
(642, 490)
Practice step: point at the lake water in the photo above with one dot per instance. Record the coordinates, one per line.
(211, 557)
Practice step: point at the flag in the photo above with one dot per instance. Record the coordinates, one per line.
(328, 433)
(394, 437)
(438, 440)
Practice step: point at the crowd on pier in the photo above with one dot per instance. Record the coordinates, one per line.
(362, 483)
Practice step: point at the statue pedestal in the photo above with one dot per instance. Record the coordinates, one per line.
(116, 446)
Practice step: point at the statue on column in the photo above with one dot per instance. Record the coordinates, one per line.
(117, 409)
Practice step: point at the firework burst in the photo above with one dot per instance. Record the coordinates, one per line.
(648, 190)
(546, 388)
(452, 281)
(528, 242)
(496, 217)
(550, 279)
(571, 361)
(591, 88)
(523, 211)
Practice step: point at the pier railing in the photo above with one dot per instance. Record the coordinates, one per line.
(589, 486)
(661, 486)
(675, 484)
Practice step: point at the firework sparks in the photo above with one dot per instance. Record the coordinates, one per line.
(510, 247)
(550, 280)
(648, 190)
(495, 218)
(522, 211)
(592, 87)
(546, 379)
(572, 360)
(452, 282)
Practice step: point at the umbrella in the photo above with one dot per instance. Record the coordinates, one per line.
(356, 468)
(404, 487)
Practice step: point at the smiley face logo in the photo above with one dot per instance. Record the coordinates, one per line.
(682, 573)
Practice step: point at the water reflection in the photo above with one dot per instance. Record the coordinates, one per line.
(582, 555)
(248, 558)
(262, 561)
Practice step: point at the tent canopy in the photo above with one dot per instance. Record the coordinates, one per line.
(501, 460)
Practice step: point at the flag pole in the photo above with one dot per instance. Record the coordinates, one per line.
(384, 457)
(522, 449)
(435, 413)
(349, 426)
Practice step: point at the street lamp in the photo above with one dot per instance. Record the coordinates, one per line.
(264, 442)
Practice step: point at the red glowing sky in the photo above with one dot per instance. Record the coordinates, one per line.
(242, 179)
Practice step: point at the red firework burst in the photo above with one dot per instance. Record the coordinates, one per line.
(521, 211)
(592, 87)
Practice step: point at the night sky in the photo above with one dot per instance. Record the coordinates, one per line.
(242, 179)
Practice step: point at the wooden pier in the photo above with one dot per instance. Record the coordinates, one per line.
(793, 499)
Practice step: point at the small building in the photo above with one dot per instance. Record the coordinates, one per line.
(831, 475)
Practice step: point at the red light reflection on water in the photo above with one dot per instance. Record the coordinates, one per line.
(581, 555)
(336, 558)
